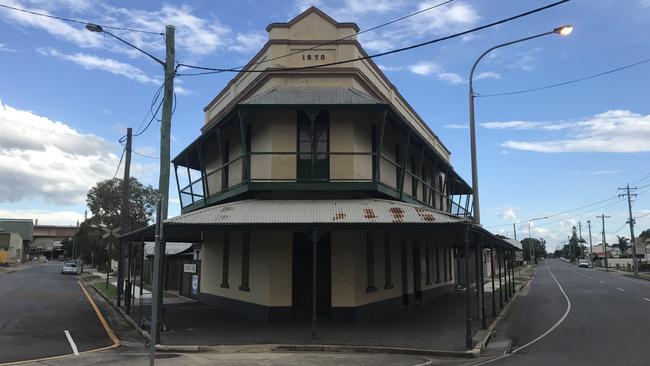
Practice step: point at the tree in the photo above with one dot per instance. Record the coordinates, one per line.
(622, 245)
(105, 203)
(645, 234)
(539, 248)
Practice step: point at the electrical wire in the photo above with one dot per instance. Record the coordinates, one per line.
(559, 213)
(77, 21)
(144, 155)
(153, 116)
(564, 82)
(120, 163)
(239, 68)
(211, 70)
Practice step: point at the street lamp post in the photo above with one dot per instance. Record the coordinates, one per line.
(563, 31)
(530, 239)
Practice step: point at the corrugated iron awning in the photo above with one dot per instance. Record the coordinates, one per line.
(334, 211)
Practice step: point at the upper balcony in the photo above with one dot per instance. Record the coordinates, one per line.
(316, 143)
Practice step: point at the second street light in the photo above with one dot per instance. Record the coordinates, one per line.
(563, 31)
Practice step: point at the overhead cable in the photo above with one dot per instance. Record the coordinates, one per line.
(82, 22)
(212, 70)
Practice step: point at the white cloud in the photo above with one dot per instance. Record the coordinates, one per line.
(389, 68)
(49, 159)
(90, 62)
(515, 125)
(613, 131)
(525, 61)
(444, 19)
(424, 68)
(487, 75)
(4, 48)
(509, 214)
(451, 78)
(45, 217)
(248, 42)
(457, 126)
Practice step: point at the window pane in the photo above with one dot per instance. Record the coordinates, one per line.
(304, 146)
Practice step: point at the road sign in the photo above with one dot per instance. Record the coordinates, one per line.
(109, 233)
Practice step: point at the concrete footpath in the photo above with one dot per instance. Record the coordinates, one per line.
(139, 356)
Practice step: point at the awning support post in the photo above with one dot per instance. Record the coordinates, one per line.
(477, 278)
(512, 270)
(314, 261)
(494, 300)
(500, 284)
(481, 277)
(468, 298)
(141, 282)
(506, 284)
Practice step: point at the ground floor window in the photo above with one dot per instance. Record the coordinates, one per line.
(370, 262)
(387, 263)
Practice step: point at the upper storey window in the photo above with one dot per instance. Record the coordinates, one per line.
(313, 145)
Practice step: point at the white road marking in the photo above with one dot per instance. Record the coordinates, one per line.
(601, 281)
(74, 346)
(557, 324)
(620, 289)
(646, 299)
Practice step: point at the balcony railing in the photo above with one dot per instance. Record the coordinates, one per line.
(327, 167)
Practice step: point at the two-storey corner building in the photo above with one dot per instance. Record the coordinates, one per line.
(317, 183)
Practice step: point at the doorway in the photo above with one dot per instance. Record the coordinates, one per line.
(301, 298)
(405, 278)
(417, 271)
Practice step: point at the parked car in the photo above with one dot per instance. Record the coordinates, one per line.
(70, 268)
(583, 263)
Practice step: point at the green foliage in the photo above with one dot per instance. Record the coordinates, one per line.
(105, 203)
(538, 245)
(622, 245)
(645, 234)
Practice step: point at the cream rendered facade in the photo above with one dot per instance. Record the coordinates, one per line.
(372, 144)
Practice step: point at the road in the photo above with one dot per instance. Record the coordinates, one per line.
(37, 306)
(607, 322)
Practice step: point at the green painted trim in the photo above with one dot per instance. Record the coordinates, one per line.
(313, 186)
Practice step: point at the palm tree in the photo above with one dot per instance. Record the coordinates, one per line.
(622, 245)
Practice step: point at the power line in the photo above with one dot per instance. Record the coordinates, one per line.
(153, 116)
(77, 21)
(239, 68)
(211, 70)
(144, 155)
(120, 163)
(565, 82)
(559, 213)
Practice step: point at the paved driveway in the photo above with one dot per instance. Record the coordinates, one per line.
(37, 305)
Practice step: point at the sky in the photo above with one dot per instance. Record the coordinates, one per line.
(67, 96)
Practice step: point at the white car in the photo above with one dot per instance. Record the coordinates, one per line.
(583, 263)
(69, 268)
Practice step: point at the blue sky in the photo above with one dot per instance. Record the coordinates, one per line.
(67, 95)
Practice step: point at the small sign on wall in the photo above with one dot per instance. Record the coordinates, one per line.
(519, 256)
(189, 268)
(195, 284)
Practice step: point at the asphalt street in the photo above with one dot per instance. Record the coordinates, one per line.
(37, 306)
(607, 323)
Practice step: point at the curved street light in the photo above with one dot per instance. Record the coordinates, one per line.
(564, 30)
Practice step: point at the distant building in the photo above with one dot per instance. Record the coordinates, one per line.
(24, 228)
(11, 248)
(48, 239)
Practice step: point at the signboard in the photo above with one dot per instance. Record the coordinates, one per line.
(189, 268)
(519, 256)
(195, 284)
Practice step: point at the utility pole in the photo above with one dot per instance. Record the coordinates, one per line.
(163, 187)
(591, 250)
(514, 229)
(74, 244)
(603, 217)
(580, 236)
(631, 222)
(126, 194)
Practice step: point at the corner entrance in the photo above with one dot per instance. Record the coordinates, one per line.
(301, 298)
